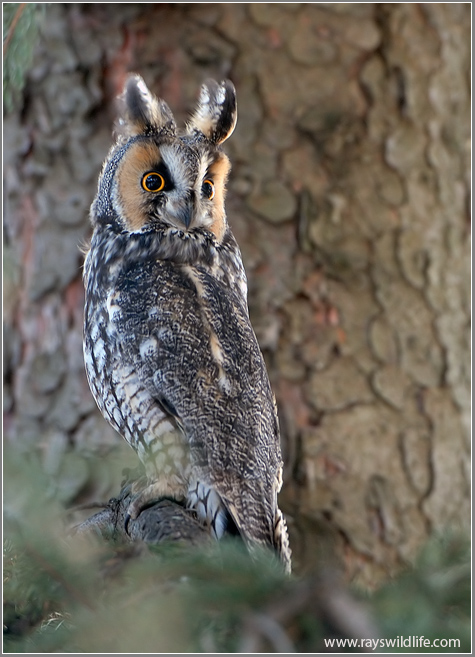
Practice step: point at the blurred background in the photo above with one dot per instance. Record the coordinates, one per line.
(349, 197)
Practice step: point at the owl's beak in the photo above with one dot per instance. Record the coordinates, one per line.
(185, 216)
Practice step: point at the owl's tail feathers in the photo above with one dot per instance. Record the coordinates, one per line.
(281, 541)
(263, 534)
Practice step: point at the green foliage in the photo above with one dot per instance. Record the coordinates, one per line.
(42, 577)
(20, 34)
(90, 596)
(432, 599)
(75, 594)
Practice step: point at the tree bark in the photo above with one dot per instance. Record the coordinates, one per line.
(349, 198)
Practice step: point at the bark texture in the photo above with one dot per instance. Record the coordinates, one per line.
(349, 196)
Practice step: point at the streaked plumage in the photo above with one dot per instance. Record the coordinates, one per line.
(171, 357)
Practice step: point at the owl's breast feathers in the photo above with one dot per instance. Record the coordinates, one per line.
(175, 310)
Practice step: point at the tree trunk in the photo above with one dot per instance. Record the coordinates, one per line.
(349, 198)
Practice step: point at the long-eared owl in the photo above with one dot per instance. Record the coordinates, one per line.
(171, 356)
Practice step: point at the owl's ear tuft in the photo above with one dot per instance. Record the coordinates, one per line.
(216, 113)
(140, 112)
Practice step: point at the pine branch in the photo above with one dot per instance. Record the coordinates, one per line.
(53, 572)
(11, 29)
(164, 521)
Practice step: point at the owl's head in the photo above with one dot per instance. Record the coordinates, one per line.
(155, 176)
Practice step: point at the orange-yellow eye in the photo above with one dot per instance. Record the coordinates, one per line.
(207, 189)
(153, 182)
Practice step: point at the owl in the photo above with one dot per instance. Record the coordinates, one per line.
(170, 354)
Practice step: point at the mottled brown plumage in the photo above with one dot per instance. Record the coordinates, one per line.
(171, 356)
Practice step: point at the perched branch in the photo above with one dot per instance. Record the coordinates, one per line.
(164, 521)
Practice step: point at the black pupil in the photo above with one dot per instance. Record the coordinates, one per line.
(153, 181)
(207, 189)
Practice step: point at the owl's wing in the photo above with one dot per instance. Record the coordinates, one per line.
(207, 372)
(222, 394)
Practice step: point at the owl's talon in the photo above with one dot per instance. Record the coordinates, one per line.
(128, 518)
(136, 506)
(148, 495)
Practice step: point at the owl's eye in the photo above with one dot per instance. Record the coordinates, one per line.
(207, 189)
(153, 182)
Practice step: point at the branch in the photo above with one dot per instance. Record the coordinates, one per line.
(11, 29)
(164, 521)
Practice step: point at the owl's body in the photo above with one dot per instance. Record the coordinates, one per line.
(171, 356)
